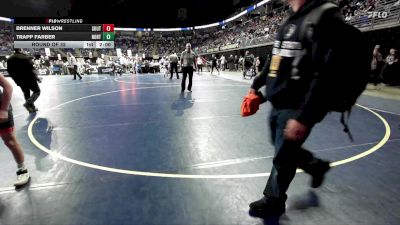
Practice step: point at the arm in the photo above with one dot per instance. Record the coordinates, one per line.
(261, 79)
(5, 98)
(194, 62)
(181, 61)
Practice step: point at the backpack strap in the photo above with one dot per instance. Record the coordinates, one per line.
(314, 17)
(344, 121)
(306, 32)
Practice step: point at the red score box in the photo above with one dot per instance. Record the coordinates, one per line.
(108, 27)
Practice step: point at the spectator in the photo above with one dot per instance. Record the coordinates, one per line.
(391, 70)
(231, 62)
(376, 65)
(258, 64)
(248, 62)
(173, 61)
(199, 61)
(223, 62)
(214, 64)
(236, 61)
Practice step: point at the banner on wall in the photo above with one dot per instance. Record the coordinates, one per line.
(119, 53)
(211, 50)
(232, 46)
(47, 51)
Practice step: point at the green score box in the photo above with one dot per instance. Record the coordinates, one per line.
(108, 36)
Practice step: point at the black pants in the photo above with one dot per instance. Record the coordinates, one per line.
(174, 66)
(375, 76)
(186, 71)
(289, 155)
(27, 88)
(214, 66)
(76, 72)
(200, 68)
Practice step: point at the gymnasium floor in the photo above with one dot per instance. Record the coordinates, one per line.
(133, 150)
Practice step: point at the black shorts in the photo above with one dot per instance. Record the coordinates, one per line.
(10, 122)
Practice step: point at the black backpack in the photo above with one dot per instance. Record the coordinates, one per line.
(349, 63)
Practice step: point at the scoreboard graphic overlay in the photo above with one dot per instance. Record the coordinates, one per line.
(62, 33)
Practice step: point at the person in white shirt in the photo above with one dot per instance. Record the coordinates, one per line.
(187, 64)
(173, 61)
(199, 62)
(166, 67)
(223, 63)
(72, 61)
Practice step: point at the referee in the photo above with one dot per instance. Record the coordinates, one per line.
(187, 65)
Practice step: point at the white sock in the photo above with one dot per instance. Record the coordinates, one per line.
(21, 166)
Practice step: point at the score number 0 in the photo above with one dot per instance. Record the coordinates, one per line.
(108, 27)
(108, 32)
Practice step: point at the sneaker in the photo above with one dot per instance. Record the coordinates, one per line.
(265, 207)
(29, 107)
(190, 90)
(23, 177)
(32, 107)
(318, 176)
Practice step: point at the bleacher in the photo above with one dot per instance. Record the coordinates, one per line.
(366, 15)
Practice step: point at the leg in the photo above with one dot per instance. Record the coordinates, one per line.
(375, 77)
(75, 71)
(274, 199)
(36, 93)
(9, 139)
(183, 84)
(190, 79)
(12, 144)
(27, 92)
(176, 70)
(171, 70)
(27, 95)
(289, 155)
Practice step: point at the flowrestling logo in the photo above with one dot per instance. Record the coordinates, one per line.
(380, 15)
(68, 21)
